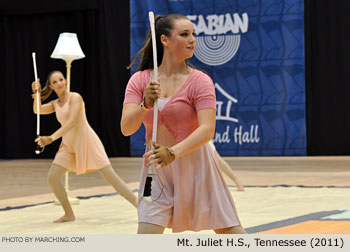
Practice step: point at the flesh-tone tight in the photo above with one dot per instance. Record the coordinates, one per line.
(54, 178)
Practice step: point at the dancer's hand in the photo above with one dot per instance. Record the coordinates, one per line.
(36, 86)
(44, 140)
(152, 93)
(160, 156)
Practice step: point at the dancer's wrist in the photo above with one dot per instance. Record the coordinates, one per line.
(172, 153)
(34, 95)
(144, 106)
(53, 137)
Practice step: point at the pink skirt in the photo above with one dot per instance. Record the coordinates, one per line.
(189, 194)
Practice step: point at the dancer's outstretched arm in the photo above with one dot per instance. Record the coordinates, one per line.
(76, 103)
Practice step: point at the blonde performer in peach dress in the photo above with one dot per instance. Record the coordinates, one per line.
(81, 150)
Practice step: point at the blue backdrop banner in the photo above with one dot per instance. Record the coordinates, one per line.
(254, 52)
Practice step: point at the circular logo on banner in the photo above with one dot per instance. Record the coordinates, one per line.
(216, 50)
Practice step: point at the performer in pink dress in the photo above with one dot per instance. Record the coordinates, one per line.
(189, 192)
(81, 150)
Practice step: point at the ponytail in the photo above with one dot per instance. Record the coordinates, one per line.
(163, 25)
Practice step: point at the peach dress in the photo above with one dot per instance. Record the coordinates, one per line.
(81, 150)
(190, 193)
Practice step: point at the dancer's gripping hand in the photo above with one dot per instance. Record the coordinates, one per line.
(44, 140)
(160, 156)
(152, 93)
(36, 86)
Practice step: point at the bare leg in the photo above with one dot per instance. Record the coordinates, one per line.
(55, 174)
(148, 228)
(231, 230)
(225, 168)
(119, 185)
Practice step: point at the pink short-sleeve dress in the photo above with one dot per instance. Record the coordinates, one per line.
(81, 150)
(190, 193)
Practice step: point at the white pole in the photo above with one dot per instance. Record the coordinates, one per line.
(37, 150)
(151, 170)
